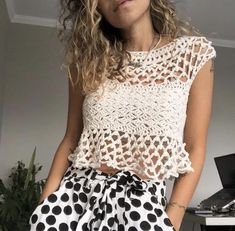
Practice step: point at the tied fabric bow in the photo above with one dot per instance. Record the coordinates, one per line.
(129, 186)
(134, 185)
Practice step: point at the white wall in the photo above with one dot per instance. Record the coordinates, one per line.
(35, 97)
(3, 31)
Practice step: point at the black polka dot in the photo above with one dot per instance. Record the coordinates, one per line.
(136, 202)
(92, 200)
(67, 210)
(84, 227)
(56, 210)
(34, 218)
(102, 216)
(148, 206)
(119, 189)
(78, 208)
(151, 190)
(167, 221)
(73, 225)
(109, 208)
(83, 197)
(163, 201)
(40, 227)
(50, 220)
(100, 200)
(86, 190)
(67, 173)
(155, 187)
(52, 229)
(52, 198)
(64, 197)
(77, 187)
(75, 198)
(121, 202)
(125, 218)
(157, 228)
(96, 212)
(87, 172)
(135, 216)
(45, 209)
(63, 227)
(144, 225)
(74, 175)
(97, 188)
(132, 228)
(154, 199)
(69, 185)
(127, 206)
(105, 228)
(111, 221)
(158, 212)
(151, 217)
(121, 228)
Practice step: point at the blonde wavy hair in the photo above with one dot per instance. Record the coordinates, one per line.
(92, 45)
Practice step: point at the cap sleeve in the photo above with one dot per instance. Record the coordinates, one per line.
(202, 52)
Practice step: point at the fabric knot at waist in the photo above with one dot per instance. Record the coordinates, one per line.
(127, 179)
(118, 189)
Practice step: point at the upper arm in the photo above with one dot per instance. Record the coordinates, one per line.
(75, 102)
(199, 107)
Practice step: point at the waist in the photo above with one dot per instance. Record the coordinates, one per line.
(111, 171)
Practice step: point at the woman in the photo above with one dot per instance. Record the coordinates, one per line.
(143, 90)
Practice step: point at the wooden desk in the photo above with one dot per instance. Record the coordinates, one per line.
(213, 222)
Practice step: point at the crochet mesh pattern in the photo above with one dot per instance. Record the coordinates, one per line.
(138, 122)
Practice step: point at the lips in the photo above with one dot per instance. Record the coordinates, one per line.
(120, 2)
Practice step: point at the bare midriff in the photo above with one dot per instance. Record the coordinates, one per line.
(111, 171)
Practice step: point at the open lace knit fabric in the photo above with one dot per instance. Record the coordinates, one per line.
(138, 122)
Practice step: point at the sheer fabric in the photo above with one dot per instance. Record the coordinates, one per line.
(138, 122)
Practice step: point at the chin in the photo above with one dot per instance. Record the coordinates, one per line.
(124, 24)
(127, 16)
(126, 21)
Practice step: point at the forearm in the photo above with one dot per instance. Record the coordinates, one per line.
(59, 165)
(184, 187)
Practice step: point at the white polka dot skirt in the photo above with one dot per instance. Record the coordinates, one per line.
(91, 200)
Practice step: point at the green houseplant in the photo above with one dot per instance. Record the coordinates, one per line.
(20, 197)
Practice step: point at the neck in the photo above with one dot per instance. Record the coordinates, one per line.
(135, 41)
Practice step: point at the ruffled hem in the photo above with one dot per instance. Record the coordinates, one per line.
(140, 153)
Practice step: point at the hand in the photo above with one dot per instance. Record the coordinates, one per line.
(49, 188)
(42, 198)
(45, 194)
(175, 215)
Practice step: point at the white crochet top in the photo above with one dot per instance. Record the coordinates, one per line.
(138, 122)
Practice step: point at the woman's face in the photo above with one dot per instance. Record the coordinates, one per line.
(123, 13)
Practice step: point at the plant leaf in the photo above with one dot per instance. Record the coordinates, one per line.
(30, 169)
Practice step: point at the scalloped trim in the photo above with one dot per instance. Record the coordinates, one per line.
(173, 165)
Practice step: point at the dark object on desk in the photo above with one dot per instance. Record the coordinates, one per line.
(213, 222)
(224, 199)
(197, 210)
(210, 213)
